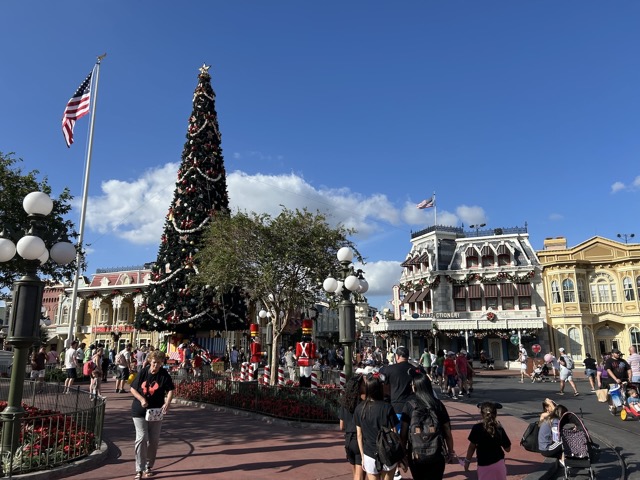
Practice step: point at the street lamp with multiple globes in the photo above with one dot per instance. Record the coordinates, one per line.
(24, 323)
(626, 236)
(351, 281)
(478, 226)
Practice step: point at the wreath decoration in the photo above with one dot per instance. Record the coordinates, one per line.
(491, 316)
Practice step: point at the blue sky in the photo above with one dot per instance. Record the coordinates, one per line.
(511, 112)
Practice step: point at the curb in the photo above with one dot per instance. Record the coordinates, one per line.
(94, 460)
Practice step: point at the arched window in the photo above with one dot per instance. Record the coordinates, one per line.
(627, 287)
(568, 291)
(504, 259)
(488, 260)
(603, 291)
(104, 314)
(575, 346)
(588, 341)
(65, 315)
(124, 313)
(635, 338)
(638, 286)
(581, 294)
(555, 292)
(561, 339)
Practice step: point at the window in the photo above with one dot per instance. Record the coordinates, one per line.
(555, 292)
(581, 295)
(568, 291)
(627, 287)
(524, 303)
(635, 338)
(492, 302)
(472, 262)
(504, 260)
(575, 346)
(104, 315)
(65, 315)
(588, 340)
(460, 304)
(603, 289)
(638, 286)
(124, 313)
(476, 304)
(488, 261)
(507, 303)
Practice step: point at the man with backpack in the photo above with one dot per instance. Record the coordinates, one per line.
(566, 372)
(123, 362)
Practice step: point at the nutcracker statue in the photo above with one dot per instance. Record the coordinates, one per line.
(256, 349)
(306, 353)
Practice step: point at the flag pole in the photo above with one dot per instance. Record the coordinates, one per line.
(435, 228)
(83, 211)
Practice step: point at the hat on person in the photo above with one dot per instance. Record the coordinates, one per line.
(451, 353)
(463, 351)
(402, 352)
(615, 350)
(561, 349)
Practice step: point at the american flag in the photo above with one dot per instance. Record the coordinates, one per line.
(427, 203)
(77, 107)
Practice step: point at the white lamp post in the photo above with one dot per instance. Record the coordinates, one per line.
(26, 306)
(351, 281)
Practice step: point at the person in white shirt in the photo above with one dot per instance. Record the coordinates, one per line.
(634, 360)
(70, 364)
(522, 358)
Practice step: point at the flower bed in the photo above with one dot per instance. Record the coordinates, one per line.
(287, 402)
(47, 438)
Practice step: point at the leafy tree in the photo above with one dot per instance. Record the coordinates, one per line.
(14, 186)
(281, 262)
(200, 198)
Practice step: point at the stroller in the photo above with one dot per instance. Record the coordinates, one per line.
(540, 373)
(577, 447)
(485, 361)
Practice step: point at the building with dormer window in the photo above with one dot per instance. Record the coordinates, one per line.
(474, 290)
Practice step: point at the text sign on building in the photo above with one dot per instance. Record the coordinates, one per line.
(123, 329)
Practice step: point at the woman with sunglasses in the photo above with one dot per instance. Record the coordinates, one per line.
(353, 394)
(371, 415)
(424, 399)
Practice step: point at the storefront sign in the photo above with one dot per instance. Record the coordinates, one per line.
(446, 315)
(124, 329)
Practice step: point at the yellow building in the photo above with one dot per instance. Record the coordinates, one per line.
(592, 293)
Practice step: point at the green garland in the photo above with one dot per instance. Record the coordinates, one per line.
(419, 285)
(526, 278)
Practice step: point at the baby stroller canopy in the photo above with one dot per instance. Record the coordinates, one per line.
(577, 446)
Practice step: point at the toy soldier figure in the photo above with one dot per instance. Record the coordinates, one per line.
(256, 349)
(306, 353)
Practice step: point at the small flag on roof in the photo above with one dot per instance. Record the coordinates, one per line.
(427, 203)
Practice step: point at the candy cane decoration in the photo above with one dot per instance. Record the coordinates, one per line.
(280, 376)
(343, 380)
(249, 372)
(314, 383)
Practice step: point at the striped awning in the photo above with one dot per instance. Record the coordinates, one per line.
(412, 297)
(470, 252)
(490, 290)
(503, 250)
(524, 289)
(487, 251)
(475, 291)
(459, 292)
(507, 290)
(423, 295)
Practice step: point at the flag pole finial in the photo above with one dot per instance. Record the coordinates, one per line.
(100, 57)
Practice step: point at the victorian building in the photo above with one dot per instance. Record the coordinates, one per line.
(474, 290)
(592, 295)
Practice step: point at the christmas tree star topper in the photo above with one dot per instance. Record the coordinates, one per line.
(204, 68)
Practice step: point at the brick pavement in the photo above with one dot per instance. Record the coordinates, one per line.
(204, 442)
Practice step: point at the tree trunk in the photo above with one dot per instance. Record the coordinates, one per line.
(275, 353)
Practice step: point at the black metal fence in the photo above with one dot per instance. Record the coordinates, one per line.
(286, 402)
(57, 428)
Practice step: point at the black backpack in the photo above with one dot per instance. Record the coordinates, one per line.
(425, 435)
(389, 449)
(529, 439)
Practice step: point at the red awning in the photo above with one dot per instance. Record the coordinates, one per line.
(459, 292)
(491, 290)
(507, 290)
(423, 294)
(474, 291)
(524, 289)
(412, 297)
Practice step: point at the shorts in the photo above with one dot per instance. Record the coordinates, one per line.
(523, 366)
(589, 372)
(123, 373)
(72, 373)
(37, 374)
(369, 465)
(352, 449)
(452, 381)
(566, 377)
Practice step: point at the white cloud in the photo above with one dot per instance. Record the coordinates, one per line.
(556, 216)
(617, 186)
(382, 276)
(473, 215)
(636, 182)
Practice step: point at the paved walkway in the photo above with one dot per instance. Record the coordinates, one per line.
(214, 443)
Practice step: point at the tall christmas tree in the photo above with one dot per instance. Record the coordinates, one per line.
(172, 303)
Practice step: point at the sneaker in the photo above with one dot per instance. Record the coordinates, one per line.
(397, 476)
(455, 397)
(576, 394)
(122, 390)
(117, 390)
(560, 393)
(521, 381)
(593, 389)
